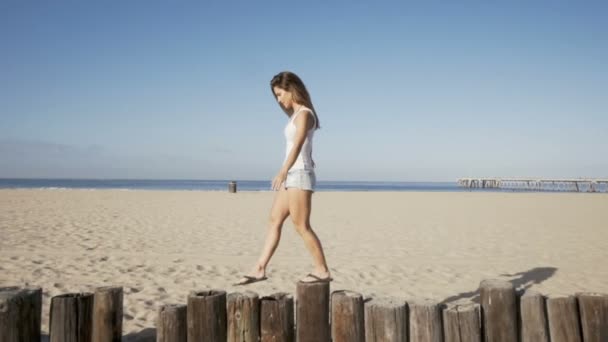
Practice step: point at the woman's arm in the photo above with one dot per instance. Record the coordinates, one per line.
(301, 122)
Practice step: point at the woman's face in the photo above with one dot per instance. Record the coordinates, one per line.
(284, 98)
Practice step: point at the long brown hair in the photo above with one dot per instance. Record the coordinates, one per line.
(290, 82)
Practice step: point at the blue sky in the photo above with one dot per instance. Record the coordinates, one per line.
(404, 91)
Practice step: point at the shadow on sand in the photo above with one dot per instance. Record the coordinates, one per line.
(522, 282)
(146, 335)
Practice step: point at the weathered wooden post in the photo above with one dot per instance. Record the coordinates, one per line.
(312, 312)
(71, 318)
(533, 318)
(207, 316)
(347, 317)
(593, 309)
(243, 317)
(461, 323)
(107, 314)
(171, 323)
(20, 313)
(385, 320)
(232, 187)
(499, 308)
(276, 318)
(425, 321)
(562, 314)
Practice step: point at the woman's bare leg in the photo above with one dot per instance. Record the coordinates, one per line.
(278, 214)
(299, 209)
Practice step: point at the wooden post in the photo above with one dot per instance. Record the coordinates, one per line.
(20, 313)
(243, 317)
(107, 314)
(533, 319)
(232, 187)
(71, 318)
(461, 323)
(207, 316)
(347, 317)
(276, 318)
(385, 320)
(594, 316)
(562, 314)
(499, 308)
(171, 323)
(425, 321)
(312, 312)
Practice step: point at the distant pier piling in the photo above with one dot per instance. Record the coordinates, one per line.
(531, 184)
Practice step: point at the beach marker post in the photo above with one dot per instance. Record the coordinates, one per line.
(20, 313)
(461, 323)
(71, 317)
(276, 318)
(386, 319)
(499, 307)
(593, 308)
(312, 312)
(206, 316)
(347, 317)
(243, 317)
(425, 321)
(562, 315)
(107, 314)
(533, 318)
(171, 323)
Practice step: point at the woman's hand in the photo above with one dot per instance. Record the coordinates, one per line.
(279, 179)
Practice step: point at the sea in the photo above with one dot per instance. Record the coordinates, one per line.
(220, 185)
(242, 185)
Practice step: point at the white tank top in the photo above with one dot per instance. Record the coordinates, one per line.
(304, 160)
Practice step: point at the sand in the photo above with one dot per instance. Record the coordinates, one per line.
(160, 245)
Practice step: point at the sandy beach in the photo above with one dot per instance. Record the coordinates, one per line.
(159, 245)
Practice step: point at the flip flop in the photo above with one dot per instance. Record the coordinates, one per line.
(317, 279)
(249, 280)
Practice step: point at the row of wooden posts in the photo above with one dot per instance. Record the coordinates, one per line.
(503, 316)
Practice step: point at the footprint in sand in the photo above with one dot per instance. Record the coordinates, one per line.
(135, 290)
(199, 268)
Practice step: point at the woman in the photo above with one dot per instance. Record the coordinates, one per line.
(295, 181)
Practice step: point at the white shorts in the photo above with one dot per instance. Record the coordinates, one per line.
(301, 179)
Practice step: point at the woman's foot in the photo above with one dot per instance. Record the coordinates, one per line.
(257, 274)
(316, 277)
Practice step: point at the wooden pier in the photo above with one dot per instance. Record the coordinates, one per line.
(536, 184)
